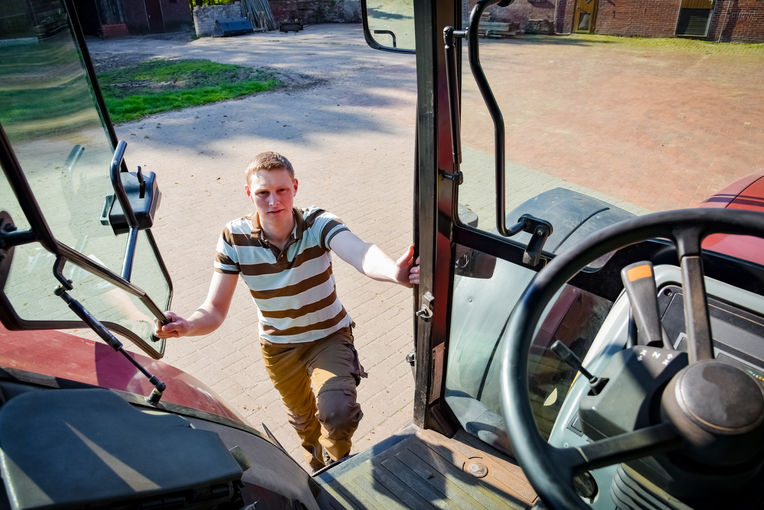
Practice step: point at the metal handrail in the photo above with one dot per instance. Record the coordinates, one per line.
(493, 110)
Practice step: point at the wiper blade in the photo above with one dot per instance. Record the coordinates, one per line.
(113, 342)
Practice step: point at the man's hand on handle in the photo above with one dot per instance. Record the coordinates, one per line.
(408, 269)
(177, 327)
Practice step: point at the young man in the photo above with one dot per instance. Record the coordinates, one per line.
(282, 254)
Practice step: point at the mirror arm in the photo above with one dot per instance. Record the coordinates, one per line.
(119, 190)
(127, 264)
(367, 33)
(117, 167)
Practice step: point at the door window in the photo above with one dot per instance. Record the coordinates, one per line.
(56, 131)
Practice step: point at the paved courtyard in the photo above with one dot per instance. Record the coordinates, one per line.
(347, 125)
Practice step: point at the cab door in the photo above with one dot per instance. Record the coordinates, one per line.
(62, 174)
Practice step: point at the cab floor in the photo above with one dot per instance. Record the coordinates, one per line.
(423, 469)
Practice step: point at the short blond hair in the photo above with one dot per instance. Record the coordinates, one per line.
(268, 160)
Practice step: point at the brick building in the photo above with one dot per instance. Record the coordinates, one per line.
(110, 18)
(317, 11)
(713, 20)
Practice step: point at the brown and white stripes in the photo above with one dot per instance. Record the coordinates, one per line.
(294, 288)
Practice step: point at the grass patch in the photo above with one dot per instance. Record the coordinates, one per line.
(683, 44)
(162, 85)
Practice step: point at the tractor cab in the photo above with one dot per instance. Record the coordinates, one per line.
(615, 355)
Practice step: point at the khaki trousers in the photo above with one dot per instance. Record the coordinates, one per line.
(317, 383)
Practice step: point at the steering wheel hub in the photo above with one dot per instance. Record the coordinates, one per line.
(718, 410)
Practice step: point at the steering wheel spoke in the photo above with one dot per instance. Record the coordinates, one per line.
(696, 319)
(624, 447)
(697, 323)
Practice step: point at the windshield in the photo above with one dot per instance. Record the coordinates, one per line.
(643, 125)
(56, 132)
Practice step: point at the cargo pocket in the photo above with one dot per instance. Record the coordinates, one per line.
(357, 370)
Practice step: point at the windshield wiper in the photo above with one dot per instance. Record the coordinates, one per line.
(112, 341)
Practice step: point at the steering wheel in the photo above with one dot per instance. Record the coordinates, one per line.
(550, 469)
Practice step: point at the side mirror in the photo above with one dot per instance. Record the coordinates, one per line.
(389, 25)
(133, 205)
(143, 195)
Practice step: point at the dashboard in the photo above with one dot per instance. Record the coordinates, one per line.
(737, 325)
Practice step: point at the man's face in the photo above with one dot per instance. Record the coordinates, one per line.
(272, 192)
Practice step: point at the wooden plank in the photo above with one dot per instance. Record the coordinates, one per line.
(494, 29)
(359, 490)
(416, 482)
(392, 481)
(328, 500)
(369, 485)
(335, 489)
(483, 493)
(456, 496)
(373, 494)
(503, 471)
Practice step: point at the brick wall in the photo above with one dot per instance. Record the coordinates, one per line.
(565, 11)
(737, 21)
(643, 18)
(731, 20)
(307, 11)
(320, 11)
(114, 30)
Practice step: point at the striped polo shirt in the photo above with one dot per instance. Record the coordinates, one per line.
(293, 288)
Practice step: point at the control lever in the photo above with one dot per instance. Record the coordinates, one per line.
(639, 282)
(569, 358)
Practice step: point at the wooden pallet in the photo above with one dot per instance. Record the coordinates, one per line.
(495, 29)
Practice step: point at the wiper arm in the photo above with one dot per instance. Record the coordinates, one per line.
(111, 340)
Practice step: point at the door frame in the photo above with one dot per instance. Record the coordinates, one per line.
(577, 14)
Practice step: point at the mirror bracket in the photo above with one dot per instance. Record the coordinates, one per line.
(540, 230)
